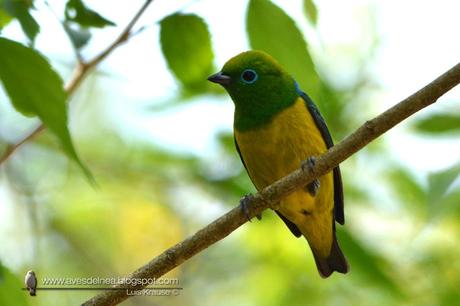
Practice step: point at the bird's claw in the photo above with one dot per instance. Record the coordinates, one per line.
(244, 202)
(313, 187)
(307, 165)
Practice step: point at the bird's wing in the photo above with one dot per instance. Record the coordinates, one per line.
(292, 227)
(338, 187)
(31, 281)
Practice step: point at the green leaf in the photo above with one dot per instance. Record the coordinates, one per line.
(449, 205)
(36, 89)
(270, 29)
(19, 9)
(186, 46)
(4, 18)
(408, 189)
(10, 289)
(364, 261)
(439, 183)
(439, 123)
(311, 11)
(331, 104)
(76, 11)
(79, 37)
(227, 141)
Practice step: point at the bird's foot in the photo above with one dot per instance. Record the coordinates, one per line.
(244, 202)
(307, 165)
(313, 187)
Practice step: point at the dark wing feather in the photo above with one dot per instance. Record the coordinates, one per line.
(292, 227)
(338, 187)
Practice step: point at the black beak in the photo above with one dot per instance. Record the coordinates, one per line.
(220, 78)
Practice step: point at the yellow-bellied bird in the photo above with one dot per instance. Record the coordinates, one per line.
(277, 128)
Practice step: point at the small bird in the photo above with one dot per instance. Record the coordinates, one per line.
(278, 128)
(31, 282)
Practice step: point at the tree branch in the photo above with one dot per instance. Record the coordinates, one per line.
(81, 70)
(124, 36)
(272, 194)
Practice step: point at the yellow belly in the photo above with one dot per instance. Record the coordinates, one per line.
(277, 149)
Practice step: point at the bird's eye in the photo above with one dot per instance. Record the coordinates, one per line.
(249, 76)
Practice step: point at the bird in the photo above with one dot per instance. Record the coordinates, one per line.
(31, 282)
(277, 129)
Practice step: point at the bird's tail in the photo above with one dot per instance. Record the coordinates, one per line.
(336, 261)
(32, 292)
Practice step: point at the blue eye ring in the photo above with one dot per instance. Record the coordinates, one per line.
(249, 76)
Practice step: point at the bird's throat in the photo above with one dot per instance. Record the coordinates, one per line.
(258, 112)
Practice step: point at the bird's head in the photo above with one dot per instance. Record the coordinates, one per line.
(31, 273)
(258, 85)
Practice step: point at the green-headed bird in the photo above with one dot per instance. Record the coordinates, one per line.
(277, 128)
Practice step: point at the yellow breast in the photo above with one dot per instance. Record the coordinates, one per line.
(277, 149)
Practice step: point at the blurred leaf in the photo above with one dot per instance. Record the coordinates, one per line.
(270, 29)
(186, 46)
(4, 18)
(439, 123)
(332, 107)
(311, 11)
(76, 11)
(407, 188)
(369, 264)
(439, 182)
(449, 203)
(78, 37)
(355, 193)
(19, 9)
(230, 190)
(227, 141)
(10, 289)
(450, 296)
(43, 94)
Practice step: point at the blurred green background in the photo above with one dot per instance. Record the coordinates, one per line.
(158, 140)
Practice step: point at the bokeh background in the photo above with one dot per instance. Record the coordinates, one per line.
(158, 140)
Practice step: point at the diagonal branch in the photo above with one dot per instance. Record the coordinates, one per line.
(81, 70)
(272, 194)
(124, 36)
